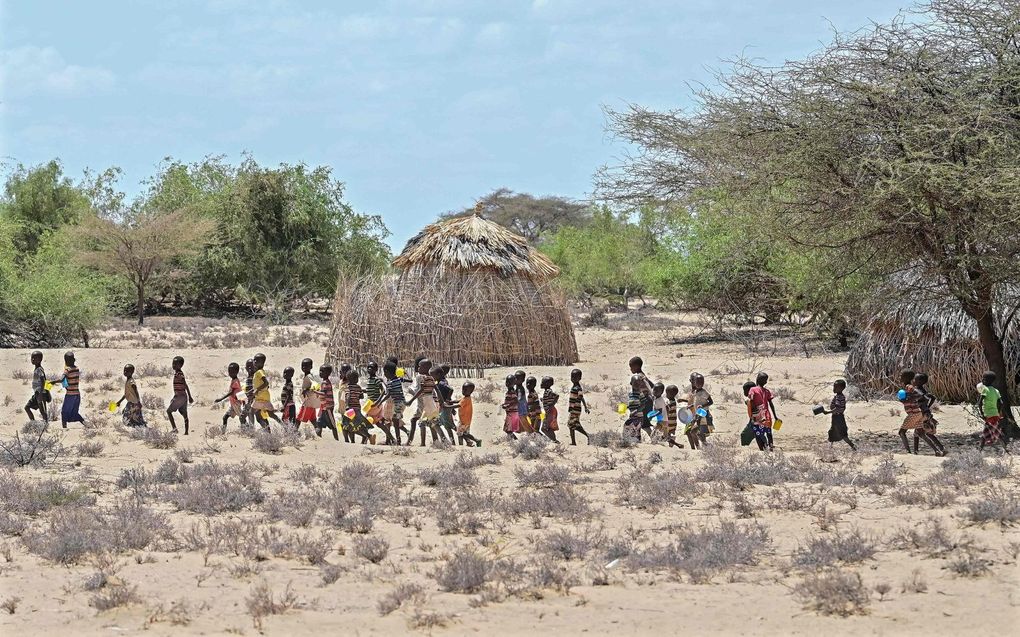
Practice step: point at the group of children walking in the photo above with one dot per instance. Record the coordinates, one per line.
(652, 408)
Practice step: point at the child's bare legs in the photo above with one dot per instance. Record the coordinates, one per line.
(577, 428)
(903, 438)
(692, 439)
(551, 435)
(184, 413)
(410, 435)
(847, 440)
(471, 439)
(226, 417)
(768, 437)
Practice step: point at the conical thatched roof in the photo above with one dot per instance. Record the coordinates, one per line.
(474, 243)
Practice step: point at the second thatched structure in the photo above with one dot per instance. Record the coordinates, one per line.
(469, 293)
(930, 333)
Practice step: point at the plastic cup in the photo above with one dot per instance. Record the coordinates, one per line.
(777, 425)
(701, 412)
(350, 413)
(818, 410)
(621, 408)
(47, 385)
(112, 407)
(400, 372)
(901, 394)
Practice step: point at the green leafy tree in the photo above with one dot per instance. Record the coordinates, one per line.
(534, 218)
(893, 148)
(39, 200)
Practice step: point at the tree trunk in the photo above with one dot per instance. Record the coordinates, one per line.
(141, 303)
(994, 355)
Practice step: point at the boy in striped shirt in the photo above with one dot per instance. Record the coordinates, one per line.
(182, 395)
(575, 403)
(70, 411)
(393, 401)
(326, 418)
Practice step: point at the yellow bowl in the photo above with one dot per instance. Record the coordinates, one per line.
(112, 407)
(777, 425)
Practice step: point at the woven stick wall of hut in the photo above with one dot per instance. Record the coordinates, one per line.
(933, 336)
(470, 293)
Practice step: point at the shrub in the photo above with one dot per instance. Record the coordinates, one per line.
(564, 544)
(969, 564)
(561, 501)
(293, 507)
(30, 450)
(995, 504)
(90, 449)
(407, 592)
(702, 553)
(847, 547)
(465, 572)
(114, 597)
(72, 534)
(467, 460)
(543, 475)
(32, 498)
(529, 447)
(834, 592)
(654, 492)
(274, 441)
(447, 477)
(373, 549)
(262, 602)
(214, 489)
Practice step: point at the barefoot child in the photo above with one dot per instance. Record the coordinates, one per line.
(346, 426)
(700, 399)
(250, 415)
(511, 422)
(70, 411)
(132, 413)
(263, 404)
(426, 394)
(375, 390)
(235, 409)
(838, 431)
(311, 402)
(287, 398)
(671, 406)
(635, 409)
(420, 363)
(910, 397)
(182, 395)
(465, 411)
(991, 408)
(762, 410)
(534, 404)
(520, 385)
(576, 402)
(636, 365)
(927, 430)
(550, 420)
(761, 439)
(326, 419)
(447, 406)
(40, 395)
(394, 400)
(359, 426)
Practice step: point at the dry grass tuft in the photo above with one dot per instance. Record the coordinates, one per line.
(834, 592)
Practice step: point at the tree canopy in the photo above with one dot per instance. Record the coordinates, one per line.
(534, 218)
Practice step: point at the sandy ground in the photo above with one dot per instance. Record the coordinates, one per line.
(183, 588)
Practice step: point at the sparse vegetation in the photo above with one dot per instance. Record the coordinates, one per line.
(834, 592)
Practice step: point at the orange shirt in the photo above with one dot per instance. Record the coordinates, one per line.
(465, 410)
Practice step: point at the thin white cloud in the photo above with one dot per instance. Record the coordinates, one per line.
(32, 70)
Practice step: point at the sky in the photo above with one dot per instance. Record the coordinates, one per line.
(419, 107)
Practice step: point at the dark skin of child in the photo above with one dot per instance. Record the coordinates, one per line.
(325, 372)
(761, 381)
(511, 386)
(424, 369)
(260, 363)
(422, 366)
(233, 370)
(919, 382)
(288, 377)
(68, 362)
(466, 390)
(697, 384)
(906, 378)
(451, 429)
(575, 379)
(989, 379)
(358, 423)
(439, 375)
(129, 372)
(37, 401)
(345, 423)
(372, 369)
(249, 368)
(839, 387)
(389, 373)
(632, 427)
(635, 364)
(672, 392)
(529, 385)
(547, 383)
(762, 444)
(178, 365)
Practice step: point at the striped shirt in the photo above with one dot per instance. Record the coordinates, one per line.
(180, 386)
(634, 404)
(574, 401)
(510, 401)
(671, 413)
(427, 387)
(73, 376)
(326, 389)
(395, 390)
(249, 389)
(549, 398)
(910, 403)
(38, 380)
(354, 394)
(534, 405)
(838, 404)
(374, 388)
(287, 393)
(444, 393)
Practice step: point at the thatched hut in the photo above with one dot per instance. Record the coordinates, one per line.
(929, 333)
(469, 293)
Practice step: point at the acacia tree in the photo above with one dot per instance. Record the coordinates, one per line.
(534, 218)
(143, 245)
(895, 147)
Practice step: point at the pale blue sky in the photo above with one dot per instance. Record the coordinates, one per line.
(420, 107)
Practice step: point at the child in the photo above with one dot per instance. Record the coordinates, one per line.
(465, 411)
(236, 407)
(550, 421)
(70, 411)
(759, 403)
(427, 395)
(341, 403)
(699, 398)
(325, 419)
(358, 425)
(520, 386)
(263, 404)
(311, 402)
(636, 365)
(374, 391)
(761, 439)
(534, 404)
(636, 415)
(928, 429)
(991, 408)
(393, 402)
(132, 413)
(420, 363)
(911, 406)
(838, 430)
(511, 419)
(575, 402)
(671, 404)
(182, 395)
(659, 406)
(40, 395)
(287, 398)
(444, 398)
(250, 415)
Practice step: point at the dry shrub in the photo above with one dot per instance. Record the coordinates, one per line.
(112, 597)
(34, 449)
(466, 460)
(603, 461)
(293, 507)
(212, 489)
(458, 512)
(565, 544)
(11, 604)
(915, 584)
(448, 477)
(994, 504)
(656, 491)
(405, 593)
(262, 602)
(930, 536)
(610, 439)
(275, 440)
(530, 447)
(155, 437)
(373, 549)
(543, 475)
(970, 467)
(848, 547)
(179, 614)
(11, 525)
(25, 497)
(561, 501)
(90, 449)
(834, 592)
(330, 573)
(704, 552)
(465, 572)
